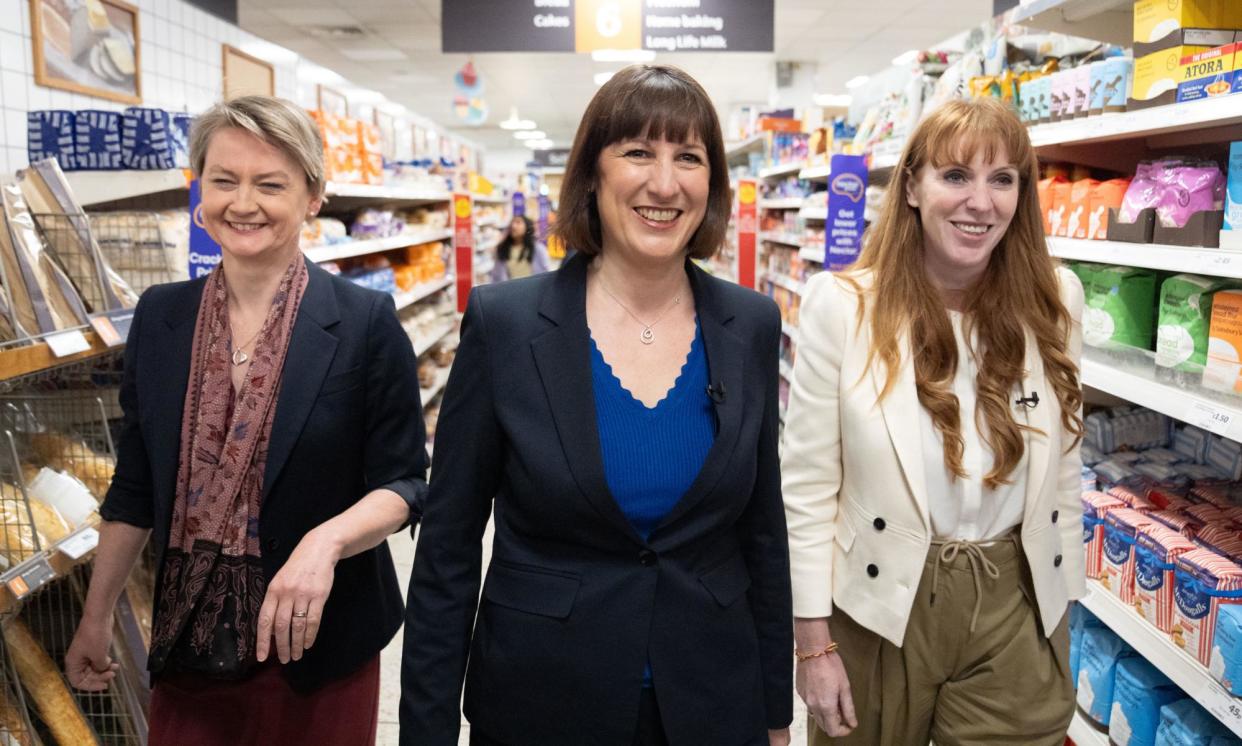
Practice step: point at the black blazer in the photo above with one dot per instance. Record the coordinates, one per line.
(348, 420)
(575, 603)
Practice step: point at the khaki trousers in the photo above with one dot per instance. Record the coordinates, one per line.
(1003, 683)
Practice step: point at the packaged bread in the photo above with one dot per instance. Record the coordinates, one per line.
(51, 697)
(21, 539)
(69, 454)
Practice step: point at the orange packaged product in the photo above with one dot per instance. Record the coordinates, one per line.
(1058, 212)
(1079, 207)
(1044, 190)
(1106, 195)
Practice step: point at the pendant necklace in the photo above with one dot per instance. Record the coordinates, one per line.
(239, 355)
(647, 335)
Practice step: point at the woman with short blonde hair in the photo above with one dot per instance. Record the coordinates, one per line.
(931, 468)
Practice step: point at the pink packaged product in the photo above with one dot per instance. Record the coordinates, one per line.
(1156, 551)
(1132, 498)
(1222, 539)
(1094, 506)
(1117, 566)
(1207, 513)
(1179, 521)
(1214, 494)
(1202, 581)
(1177, 188)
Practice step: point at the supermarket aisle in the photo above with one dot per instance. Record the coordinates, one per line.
(402, 547)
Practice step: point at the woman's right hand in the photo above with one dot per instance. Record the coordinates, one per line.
(88, 666)
(825, 688)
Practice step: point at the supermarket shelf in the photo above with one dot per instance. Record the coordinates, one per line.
(812, 253)
(1106, 20)
(785, 239)
(1221, 418)
(485, 267)
(373, 246)
(814, 213)
(427, 341)
(381, 192)
(1210, 112)
(490, 199)
(95, 187)
(488, 246)
(20, 361)
(786, 371)
(1157, 648)
(1083, 733)
(740, 148)
(431, 392)
(1216, 262)
(783, 169)
(790, 330)
(785, 203)
(49, 564)
(490, 223)
(419, 292)
(786, 282)
(886, 154)
(815, 173)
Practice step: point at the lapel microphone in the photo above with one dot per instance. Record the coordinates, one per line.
(717, 392)
(1030, 402)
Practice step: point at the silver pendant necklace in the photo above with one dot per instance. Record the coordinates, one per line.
(647, 335)
(239, 354)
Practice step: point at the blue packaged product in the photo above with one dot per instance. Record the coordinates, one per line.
(1226, 661)
(1140, 690)
(1097, 668)
(147, 139)
(1090, 482)
(181, 139)
(1225, 456)
(49, 134)
(1185, 723)
(1191, 443)
(1080, 621)
(97, 140)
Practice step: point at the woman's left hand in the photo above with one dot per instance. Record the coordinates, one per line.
(778, 737)
(293, 605)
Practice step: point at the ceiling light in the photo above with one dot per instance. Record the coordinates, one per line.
(516, 123)
(392, 107)
(538, 144)
(530, 135)
(623, 55)
(906, 57)
(833, 99)
(602, 78)
(856, 81)
(312, 73)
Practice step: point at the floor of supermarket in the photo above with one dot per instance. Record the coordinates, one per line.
(402, 547)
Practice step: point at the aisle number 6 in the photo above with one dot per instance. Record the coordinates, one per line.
(608, 20)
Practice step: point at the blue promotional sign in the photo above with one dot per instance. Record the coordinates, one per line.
(847, 193)
(519, 204)
(545, 211)
(204, 251)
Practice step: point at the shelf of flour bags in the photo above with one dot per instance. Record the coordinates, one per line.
(1082, 733)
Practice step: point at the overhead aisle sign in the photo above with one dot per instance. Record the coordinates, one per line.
(590, 25)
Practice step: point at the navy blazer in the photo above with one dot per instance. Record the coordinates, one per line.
(348, 421)
(575, 603)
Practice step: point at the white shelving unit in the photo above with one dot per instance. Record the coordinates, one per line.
(789, 330)
(419, 292)
(1107, 20)
(783, 203)
(814, 213)
(815, 173)
(784, 239)
(1084, 733)
(1195, 407)
(812, 253)
(95, 187)
(383, 193)
(785, 282)
(1216, 262)
(427, 341)
(1156, 647)
(490, 199)
(372, 246)
(783, 169)
(1210, 112)
(431, 392)
(737, 149)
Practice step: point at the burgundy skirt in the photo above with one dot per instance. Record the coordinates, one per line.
(191, 710)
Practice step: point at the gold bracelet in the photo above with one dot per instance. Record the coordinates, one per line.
(802, 657)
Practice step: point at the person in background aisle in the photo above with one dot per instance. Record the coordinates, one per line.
(619, 419)
(519, 254)
(272, 440)
(931, 467)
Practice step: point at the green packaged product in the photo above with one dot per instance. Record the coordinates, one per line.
(1120, 307)
(1185, 316)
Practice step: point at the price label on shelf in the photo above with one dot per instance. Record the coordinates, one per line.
(67, 343)
(1226, 707)
(29, 577)
(1211, 417)
(77, 545)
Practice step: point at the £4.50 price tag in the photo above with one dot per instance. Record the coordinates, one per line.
(1214, 419)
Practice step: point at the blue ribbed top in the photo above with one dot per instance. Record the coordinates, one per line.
(652, 455)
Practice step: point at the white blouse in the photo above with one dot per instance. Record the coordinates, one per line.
(963, 508)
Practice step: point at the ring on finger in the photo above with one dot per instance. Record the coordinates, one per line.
(299, 614)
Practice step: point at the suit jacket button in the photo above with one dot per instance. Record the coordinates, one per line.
(872, 570)
(1056, 561)
(647, 558)
(273, 544)
(879, 524)
(1055, 515)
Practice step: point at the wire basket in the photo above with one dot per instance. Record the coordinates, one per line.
(145, 248)
(67, 237)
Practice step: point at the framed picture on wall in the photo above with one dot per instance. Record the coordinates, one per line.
(246, 75)
(333, 102)
(90, 47)
(387, 126)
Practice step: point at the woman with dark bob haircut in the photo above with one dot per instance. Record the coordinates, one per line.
(639, 590)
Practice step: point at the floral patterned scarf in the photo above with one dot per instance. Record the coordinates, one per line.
(213, 584)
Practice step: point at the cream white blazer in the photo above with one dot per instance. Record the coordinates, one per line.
(852, 473)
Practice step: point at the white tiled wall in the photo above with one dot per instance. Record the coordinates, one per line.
(181, 58)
